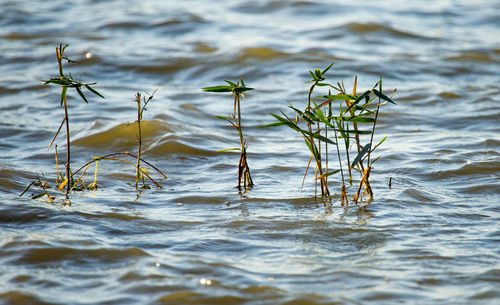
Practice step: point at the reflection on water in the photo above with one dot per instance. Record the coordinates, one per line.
(431, 237)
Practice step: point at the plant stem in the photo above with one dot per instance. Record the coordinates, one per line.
(243, 169)
(317, 153)
(68, 152)
(139, 138)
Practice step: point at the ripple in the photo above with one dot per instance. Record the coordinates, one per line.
(261, 54)
(21, 297)
(379, 28)
(123, 135)
(77, 258)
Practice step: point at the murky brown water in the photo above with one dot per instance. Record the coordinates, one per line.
(433, 238)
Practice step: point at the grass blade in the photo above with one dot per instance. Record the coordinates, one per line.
(94, 91)
(382, 96)
(81, 94)
(365, 149)
(218, 89)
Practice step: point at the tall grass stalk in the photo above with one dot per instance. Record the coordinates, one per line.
(67, 81)
(237, 90)
(345, 128)
(140, 110)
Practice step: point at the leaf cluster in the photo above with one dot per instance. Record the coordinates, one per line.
(234, 88)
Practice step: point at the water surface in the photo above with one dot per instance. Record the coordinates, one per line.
(433, 237)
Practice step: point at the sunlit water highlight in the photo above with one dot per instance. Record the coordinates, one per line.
(433, 237)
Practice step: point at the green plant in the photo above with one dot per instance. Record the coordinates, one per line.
(67, 81)
(237, 90)
(140, 110)
(319, 120)
(67, 181)
(141, 173)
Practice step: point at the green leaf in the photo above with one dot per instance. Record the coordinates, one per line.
(358, 119)
(272, 124)
(228, 149)
(218, 89)
(381, 141)
(285, 121)
(317, 72)
(81, 94)
(310, 146)
(342, 97)
(241, 89)
(63, 94)
(366, 94)
(371, 163)
(301, 114)
(231, 83)
(94, 91)
(310, 117)
(382, 96)
(221, 117)
(331, 173)
(317, 136)
(365, 149)
(38, 196)
(315, 78)
(327, 68)
(358, 131)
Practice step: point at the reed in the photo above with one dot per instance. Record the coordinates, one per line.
(237, 91)
(68, 180)
(141, 172)
(320, 123)
(67, 81)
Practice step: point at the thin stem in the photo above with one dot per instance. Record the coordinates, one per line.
(317, 154)
(375, 122)
(68, 152)
(139, 138)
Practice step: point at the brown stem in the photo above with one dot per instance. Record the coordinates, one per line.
(68, 152)
(139, 138)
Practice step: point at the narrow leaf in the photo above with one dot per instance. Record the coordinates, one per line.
(382, 96)
(343, 97)
(242, 89)
(227, 149)
(381, 141)
(365, 149)
(364, 95)
(328, 174)
(94, 91)
(231, 83)
(81, 94)
(313, 76)
(318, 136)
(272, 125)
(63, 94)
(327, 68)
(218, 89)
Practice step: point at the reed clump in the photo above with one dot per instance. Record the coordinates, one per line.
(69, 181)
(237, 90)
(336, 120)
(341, 124)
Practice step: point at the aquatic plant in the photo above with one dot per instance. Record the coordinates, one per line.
(67, 181)
(344, 126)
(237, 91)
(141, 172)
(67, 81)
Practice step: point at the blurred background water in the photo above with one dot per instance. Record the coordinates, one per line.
(433, 238)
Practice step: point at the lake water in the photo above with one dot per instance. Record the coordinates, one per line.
(432, 238)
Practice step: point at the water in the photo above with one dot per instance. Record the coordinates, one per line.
(433, 237)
